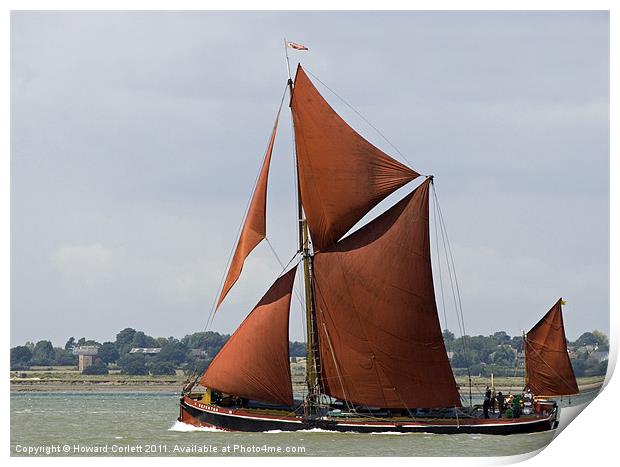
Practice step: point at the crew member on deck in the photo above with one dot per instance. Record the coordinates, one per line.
(485, 406)
(501, 403)
(516, 406)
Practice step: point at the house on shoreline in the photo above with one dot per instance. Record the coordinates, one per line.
(145, 350)
(85, 355)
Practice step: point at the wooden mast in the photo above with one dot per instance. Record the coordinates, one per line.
(304, 248)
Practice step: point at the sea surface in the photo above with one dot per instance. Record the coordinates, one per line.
(144, 424)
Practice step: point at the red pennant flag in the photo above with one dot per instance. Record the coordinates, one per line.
(294, 45)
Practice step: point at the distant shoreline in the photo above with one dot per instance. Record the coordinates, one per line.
(87, 386)
(154, 386)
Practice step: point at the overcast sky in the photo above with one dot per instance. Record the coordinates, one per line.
(136, 138)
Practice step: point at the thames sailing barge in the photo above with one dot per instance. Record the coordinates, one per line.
(376, 360)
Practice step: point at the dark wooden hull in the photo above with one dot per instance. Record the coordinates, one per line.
(229, 419)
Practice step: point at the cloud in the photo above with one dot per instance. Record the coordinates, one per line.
(136, 137)
(87, 266)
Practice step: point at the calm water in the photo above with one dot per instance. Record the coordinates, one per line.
(116, 423)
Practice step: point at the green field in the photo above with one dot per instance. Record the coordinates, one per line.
(68, 374)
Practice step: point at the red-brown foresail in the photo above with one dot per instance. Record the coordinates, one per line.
(254, 363)
(254, 227)
(379, 333)
(548, 368)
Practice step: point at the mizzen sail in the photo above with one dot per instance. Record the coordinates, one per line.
(254, 363)
(549, 371)
(341, 175)
(254, 227)
(379, 334)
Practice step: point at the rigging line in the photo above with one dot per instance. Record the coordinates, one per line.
(288, 264)
(211, 316)
(458, 318)
(443, 301)
(284, 268)
(451, 271)
(361, 116)
(281, 273)
(458, 292)
(282, 265)
(274, 252)
(452, 261)
(405, 404)
(453, 268)
(445, 247)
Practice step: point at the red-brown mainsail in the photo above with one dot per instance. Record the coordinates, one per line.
(379, 334)
(341, 175)
(548, 368)
(254, 227)
(254, 363)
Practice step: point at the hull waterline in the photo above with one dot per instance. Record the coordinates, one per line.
(229, 419)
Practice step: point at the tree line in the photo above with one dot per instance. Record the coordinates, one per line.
(193, 352)
(498, 353)
(502, 354)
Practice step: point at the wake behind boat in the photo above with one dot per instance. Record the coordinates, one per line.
(376, 359)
